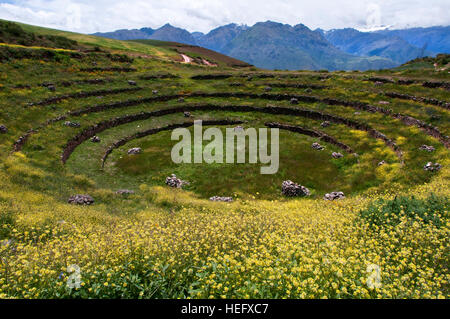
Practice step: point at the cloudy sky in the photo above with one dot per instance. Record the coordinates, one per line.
(88, 16)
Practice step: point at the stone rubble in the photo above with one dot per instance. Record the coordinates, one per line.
(174, 181)
(325, 124)
(334, 196)
(291, 189)
(124, 192)
(432, 167)
(427, 148)
(132, 83)
(337, 155)
(294, 101)
(317, 146)
(95, 139)
(81, 200)
(187, 114)
(221, 199)
(134, 151)
(3, 129)
(72, 124)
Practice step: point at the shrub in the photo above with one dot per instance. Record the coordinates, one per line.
(433, 210)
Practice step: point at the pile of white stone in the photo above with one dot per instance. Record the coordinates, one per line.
(72, 124)
(291, 189)
(174, 181)
(334, 195)
(81, 200)
(134, 151)
(317, 146)
(427, 148)
(221, 199)
(124, 192)
(432, 167)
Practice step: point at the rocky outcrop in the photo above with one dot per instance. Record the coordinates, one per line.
(334, 196)
(81, 200)
(291, 189)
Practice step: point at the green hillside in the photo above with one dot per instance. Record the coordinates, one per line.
(73, 107)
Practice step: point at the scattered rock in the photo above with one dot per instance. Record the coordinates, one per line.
(357, 113)
(384, 102)
(72, 124)
(51, 88)
(427, 148)
(3, 129)
(291, 189)
(181, 100)
(134, 151)
(381, 163)
(173, 181)
(267, 89)
(81, 200)
(432, 167)
(124, 192)
(95, 139)
(221, 199)
(294, 101)
(378, 83)
(132, 83)
(336, 155)
(155, 91)
(325, 124)
(308, 90)
(187, 114)
(317, 146)
(334, 195)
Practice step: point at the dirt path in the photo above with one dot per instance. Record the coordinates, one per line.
(186, 59)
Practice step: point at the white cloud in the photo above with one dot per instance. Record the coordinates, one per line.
(203, 15)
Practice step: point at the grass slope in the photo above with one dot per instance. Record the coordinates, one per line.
(162, 242)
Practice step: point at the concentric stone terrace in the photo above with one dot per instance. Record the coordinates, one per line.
(356, 125)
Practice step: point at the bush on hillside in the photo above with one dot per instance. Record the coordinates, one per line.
(433, 210)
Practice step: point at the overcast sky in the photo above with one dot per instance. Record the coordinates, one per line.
(88, 16)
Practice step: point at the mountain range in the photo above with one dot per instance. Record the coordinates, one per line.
(272, 45)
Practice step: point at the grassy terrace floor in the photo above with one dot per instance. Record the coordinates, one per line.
(162, 242)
